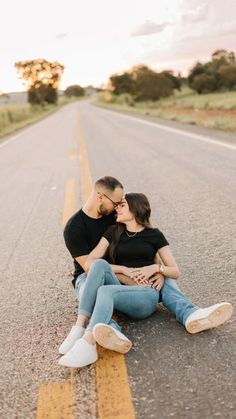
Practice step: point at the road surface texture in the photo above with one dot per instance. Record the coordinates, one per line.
(191, 184)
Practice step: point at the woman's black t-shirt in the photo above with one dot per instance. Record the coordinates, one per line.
(139, 250)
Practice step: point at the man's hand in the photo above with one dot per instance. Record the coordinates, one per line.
(144, 273)
(157, 281)
(124, 279)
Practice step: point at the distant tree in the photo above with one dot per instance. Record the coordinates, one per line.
(204, 83)
(176, 81)
(42, 79)
(214, 72)
(150, 85)
(74, 90)
(223, 54)
(227, 76)
(123, 83)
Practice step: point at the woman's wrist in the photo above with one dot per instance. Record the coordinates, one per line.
(156, 267)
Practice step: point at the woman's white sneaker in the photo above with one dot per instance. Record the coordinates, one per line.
(81, 355)
(110, 338)
(207, 318)
(75, 334)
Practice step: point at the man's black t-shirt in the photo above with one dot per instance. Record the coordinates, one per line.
(82, 233)
(139, 250)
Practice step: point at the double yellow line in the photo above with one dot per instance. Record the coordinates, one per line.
(114, 399)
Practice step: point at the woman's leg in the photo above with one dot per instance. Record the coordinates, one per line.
(135, 301)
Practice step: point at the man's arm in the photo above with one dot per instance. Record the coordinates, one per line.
(126, 279)
(81, 260)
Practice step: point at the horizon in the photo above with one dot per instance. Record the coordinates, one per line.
(93, 45)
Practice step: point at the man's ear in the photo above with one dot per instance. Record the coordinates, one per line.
(99, 196)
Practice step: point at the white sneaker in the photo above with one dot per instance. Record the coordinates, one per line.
(110, 338)
(207, 318)
(82, 354)
(75, 333)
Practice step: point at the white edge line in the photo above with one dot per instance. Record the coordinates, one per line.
(175, 130)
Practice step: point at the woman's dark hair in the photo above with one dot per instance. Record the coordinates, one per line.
(139, 206)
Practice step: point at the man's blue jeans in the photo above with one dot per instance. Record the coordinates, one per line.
(103, 293)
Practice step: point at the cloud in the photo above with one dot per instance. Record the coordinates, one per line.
(198, 14)
(149, 28)
(61, 35)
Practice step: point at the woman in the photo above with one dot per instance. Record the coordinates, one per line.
(132, 248)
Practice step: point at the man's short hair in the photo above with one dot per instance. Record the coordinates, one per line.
(109, 183)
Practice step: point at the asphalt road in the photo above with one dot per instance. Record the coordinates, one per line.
(191, 184)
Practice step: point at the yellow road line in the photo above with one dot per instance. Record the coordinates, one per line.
(86, 180)
(69, 201)
(113, 390)
(56, 401)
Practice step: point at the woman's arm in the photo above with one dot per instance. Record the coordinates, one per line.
(168, 267)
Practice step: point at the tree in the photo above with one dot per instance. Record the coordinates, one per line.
(150, 85)
(223, 54)
(204, 83)
(42, 79)
(74, 90)
(123, 83)
(176, 81)
(215, 72)
(227, 76)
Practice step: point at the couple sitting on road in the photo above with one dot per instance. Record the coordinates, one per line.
(122, 263)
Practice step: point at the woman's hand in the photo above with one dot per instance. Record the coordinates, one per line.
(157, 281)
(144, 273)
(127, 271)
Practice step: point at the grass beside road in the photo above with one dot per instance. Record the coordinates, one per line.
(212, 110)
(18, 115)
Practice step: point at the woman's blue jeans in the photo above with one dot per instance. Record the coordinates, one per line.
(103, 293)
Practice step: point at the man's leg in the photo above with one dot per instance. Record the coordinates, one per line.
(176, 301)
(194, 319)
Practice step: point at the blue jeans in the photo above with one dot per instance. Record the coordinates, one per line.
(79, 289)
(103, 293)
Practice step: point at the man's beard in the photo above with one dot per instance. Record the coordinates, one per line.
(103, 210)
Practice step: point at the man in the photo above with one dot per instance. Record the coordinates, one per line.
(83, 232)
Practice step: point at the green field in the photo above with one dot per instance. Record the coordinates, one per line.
(212, 110)
(18, 115)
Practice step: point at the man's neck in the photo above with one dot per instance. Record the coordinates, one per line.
(90, 208)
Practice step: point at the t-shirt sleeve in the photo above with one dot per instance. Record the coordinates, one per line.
(76, 242)
(109, 233)
(161, 241)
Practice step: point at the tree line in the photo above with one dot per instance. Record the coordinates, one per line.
(42, 79)
(143, 83)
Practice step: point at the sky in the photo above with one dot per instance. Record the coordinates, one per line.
(95, 39)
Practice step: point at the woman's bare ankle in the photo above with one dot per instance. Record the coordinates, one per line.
(88, 336)
(81, 320)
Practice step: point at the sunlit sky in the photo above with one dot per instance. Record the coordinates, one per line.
(95, 39)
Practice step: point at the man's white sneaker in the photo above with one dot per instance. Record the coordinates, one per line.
(82, 354)
(207, 318)
(110, 338)
(75, 333)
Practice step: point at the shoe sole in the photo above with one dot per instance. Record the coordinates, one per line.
(74, 364)
(217, 317)
(108, 339)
